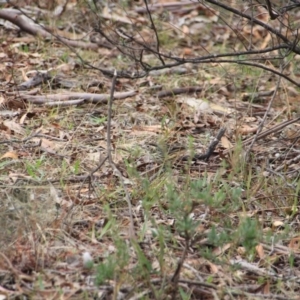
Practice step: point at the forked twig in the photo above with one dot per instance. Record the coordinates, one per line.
(256, 21)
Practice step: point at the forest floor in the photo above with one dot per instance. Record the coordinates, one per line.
(173, 192)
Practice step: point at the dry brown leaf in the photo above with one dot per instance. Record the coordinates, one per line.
(249, 119)
(213, 268)
(25, 78)
(3, 55)
(266, 288)
(198, 104)
(186, 52)
(295, 243)
(223, 91)
(266, 41)
(141, 129)
(292, 91)
(219, 250)
(241, 251)
(246, 129)
(49, 145)
(2, 101)
(277, 223)
(225, 143)
(260, 251)
(13, 126)
(185, 29)
(23, 118)
(218, 109)
(15, 176)
(10, 154)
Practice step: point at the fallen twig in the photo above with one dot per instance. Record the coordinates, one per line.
(37, 79)
(177, 91)
(176, 275)
(64, 103)
(81, 97)
(265, 133)
(210, 150)
(46, 77)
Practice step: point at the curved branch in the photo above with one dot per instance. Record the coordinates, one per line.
(155, 32)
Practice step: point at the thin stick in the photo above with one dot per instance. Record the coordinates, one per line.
(109, 155)
(109, 111)
(265, 133)
(153, 27)
(176, 275)
(210, 150)
(262, 123)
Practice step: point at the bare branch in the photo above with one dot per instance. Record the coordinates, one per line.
(258, 22)
(155, 32)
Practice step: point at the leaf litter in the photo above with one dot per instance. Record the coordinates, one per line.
(58, 220)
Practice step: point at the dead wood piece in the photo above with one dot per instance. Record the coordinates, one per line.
(210, 149)
(9, 113)
(177, 91)
(64, 103)
(37, 79)
(81, 97)
(43, 77)
(44, 99)
(253, 268)
(256, 96)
